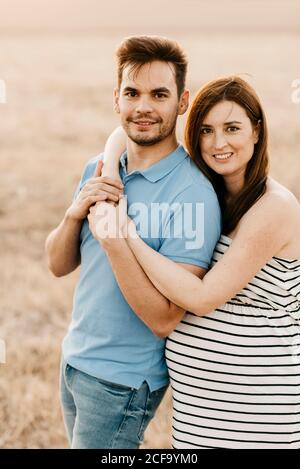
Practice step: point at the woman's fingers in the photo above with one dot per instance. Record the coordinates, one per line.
(98, 170)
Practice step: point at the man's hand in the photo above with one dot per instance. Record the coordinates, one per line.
(95, 190)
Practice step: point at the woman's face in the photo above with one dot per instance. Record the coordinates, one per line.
(227, 139)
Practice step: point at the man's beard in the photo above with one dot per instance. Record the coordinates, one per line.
(144, 140)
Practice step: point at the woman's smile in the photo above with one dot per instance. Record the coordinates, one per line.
(222, 156)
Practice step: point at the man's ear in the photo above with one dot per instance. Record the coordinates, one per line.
(183, 102)
(116, 100)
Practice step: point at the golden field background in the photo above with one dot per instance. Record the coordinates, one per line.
(57, 59)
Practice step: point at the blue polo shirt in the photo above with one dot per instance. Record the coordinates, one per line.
(106, 339)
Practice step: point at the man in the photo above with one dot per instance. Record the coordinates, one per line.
(113, 373)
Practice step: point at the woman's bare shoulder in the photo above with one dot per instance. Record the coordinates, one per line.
(277, 214)
(289, 207)
(277, 211)
(285, 203)
(277, 191)
(277, 207)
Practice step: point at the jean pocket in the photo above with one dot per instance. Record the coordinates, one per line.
(116, 386)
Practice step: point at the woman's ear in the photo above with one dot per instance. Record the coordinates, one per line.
(256, 131)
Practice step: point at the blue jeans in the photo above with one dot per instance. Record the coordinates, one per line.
(99, 414)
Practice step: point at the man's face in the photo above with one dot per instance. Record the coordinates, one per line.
(148, 103)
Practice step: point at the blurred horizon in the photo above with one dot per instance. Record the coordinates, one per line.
(76, 16)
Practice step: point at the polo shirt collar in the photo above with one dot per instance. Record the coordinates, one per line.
(158, 170)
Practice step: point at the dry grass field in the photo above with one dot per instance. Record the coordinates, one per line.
(57, 59)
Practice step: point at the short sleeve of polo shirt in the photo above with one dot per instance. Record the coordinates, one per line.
(191, 231)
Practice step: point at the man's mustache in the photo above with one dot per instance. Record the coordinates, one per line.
(144, 118)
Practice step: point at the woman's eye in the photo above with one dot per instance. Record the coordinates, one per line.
(205, 131)
(232, 129)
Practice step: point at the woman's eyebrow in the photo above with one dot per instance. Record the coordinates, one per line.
(225, 123)
(232, 122)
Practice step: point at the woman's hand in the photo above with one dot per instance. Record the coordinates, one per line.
(109, 222)
(103, 222)
(114, 147)
(126, 224)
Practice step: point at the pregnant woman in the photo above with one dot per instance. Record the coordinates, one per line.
(234, 358)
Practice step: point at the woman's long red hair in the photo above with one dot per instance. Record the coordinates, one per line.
(237, 90)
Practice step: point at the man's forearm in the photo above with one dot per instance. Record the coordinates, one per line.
(62, 246)
(148, 303)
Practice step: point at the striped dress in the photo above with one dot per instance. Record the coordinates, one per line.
(235, 373)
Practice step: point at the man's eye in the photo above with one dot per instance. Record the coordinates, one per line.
(160, 95)
(130, 94)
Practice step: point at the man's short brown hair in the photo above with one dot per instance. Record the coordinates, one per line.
(139, 50)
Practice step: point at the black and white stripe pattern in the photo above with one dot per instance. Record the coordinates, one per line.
(235, 373)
